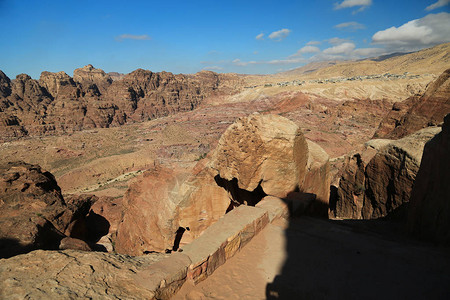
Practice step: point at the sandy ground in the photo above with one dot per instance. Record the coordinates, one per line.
(317, 259)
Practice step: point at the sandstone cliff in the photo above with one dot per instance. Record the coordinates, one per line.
(418, 112)
(429, 209)
(378, 182)
(258, 155)
(58, 103)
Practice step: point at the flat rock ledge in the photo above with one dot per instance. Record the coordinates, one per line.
(72, 274)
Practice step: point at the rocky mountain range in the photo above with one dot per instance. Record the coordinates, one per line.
(58, 103)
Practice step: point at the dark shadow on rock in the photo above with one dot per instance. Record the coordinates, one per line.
(96, 227)
(358, 259)
(10, 247)
(240, 196)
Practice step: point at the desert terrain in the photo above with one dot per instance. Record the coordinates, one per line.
(161, 178)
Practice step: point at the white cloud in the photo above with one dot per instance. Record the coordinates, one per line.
(352, 3)
(213, 68)
(438, 4)
(344, 48)
(260, 36)
(337, 41)
(280, 34)
(306, 49)
(350, 26)
(313, 43)
(430, 30)
(368, 52)
(240, 63)
(132, 37)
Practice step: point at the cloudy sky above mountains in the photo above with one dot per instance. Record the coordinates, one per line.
(223, 36)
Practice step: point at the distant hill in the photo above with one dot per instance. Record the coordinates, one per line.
(311, 67)
(433, 60)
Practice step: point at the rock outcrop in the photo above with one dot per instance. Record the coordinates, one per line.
(258, 155)
(262, 151)
(34, 213)
(58, 103)
(73, 274)
(378, 182)
(176, 203)
(418, 112)
(429, 208)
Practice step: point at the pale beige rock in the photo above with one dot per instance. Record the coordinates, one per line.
(71, 274)
(275, 207)
(223, 239)
(317, 180)
(265, 150)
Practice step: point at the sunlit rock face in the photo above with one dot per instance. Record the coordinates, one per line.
(378, 182)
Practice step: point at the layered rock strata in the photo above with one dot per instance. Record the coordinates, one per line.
(429, 209)
(418, 112)
(58, 103)
(378, 182)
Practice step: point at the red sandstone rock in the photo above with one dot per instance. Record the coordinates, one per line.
(74, 244)
(34, 213)
(418, 112)
(58, 104)
(429, 208)
(378, 182)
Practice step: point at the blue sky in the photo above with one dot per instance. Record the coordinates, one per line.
(224, 36)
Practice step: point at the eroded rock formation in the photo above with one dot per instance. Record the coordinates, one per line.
(58, 103)
(418, 112)
(378, 182)
(34, 213)
(258, 155)
(429, 209)
(262, 150)
(73, 274)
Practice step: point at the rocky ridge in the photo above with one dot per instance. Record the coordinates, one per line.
(57, 103)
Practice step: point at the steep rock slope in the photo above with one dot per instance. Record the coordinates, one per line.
(418, 112)
(378, 182)
(429, 209)
(58, 103)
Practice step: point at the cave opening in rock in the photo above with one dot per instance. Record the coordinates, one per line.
(240, 196)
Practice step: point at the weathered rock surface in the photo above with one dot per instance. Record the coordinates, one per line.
(418, 112)
(74, 244)
(258, 155)
(58, 103)
(73, 274)
(34, 213)
(378, 183)
(429, 208)
(174, 202)
(317, 180)
(266, 151)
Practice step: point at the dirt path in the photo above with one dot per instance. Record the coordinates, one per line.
(317, 259)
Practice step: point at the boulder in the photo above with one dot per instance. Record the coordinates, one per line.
(429, 208)
(378, 182)
(266, 152)
(74, 244)
(34, 213)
